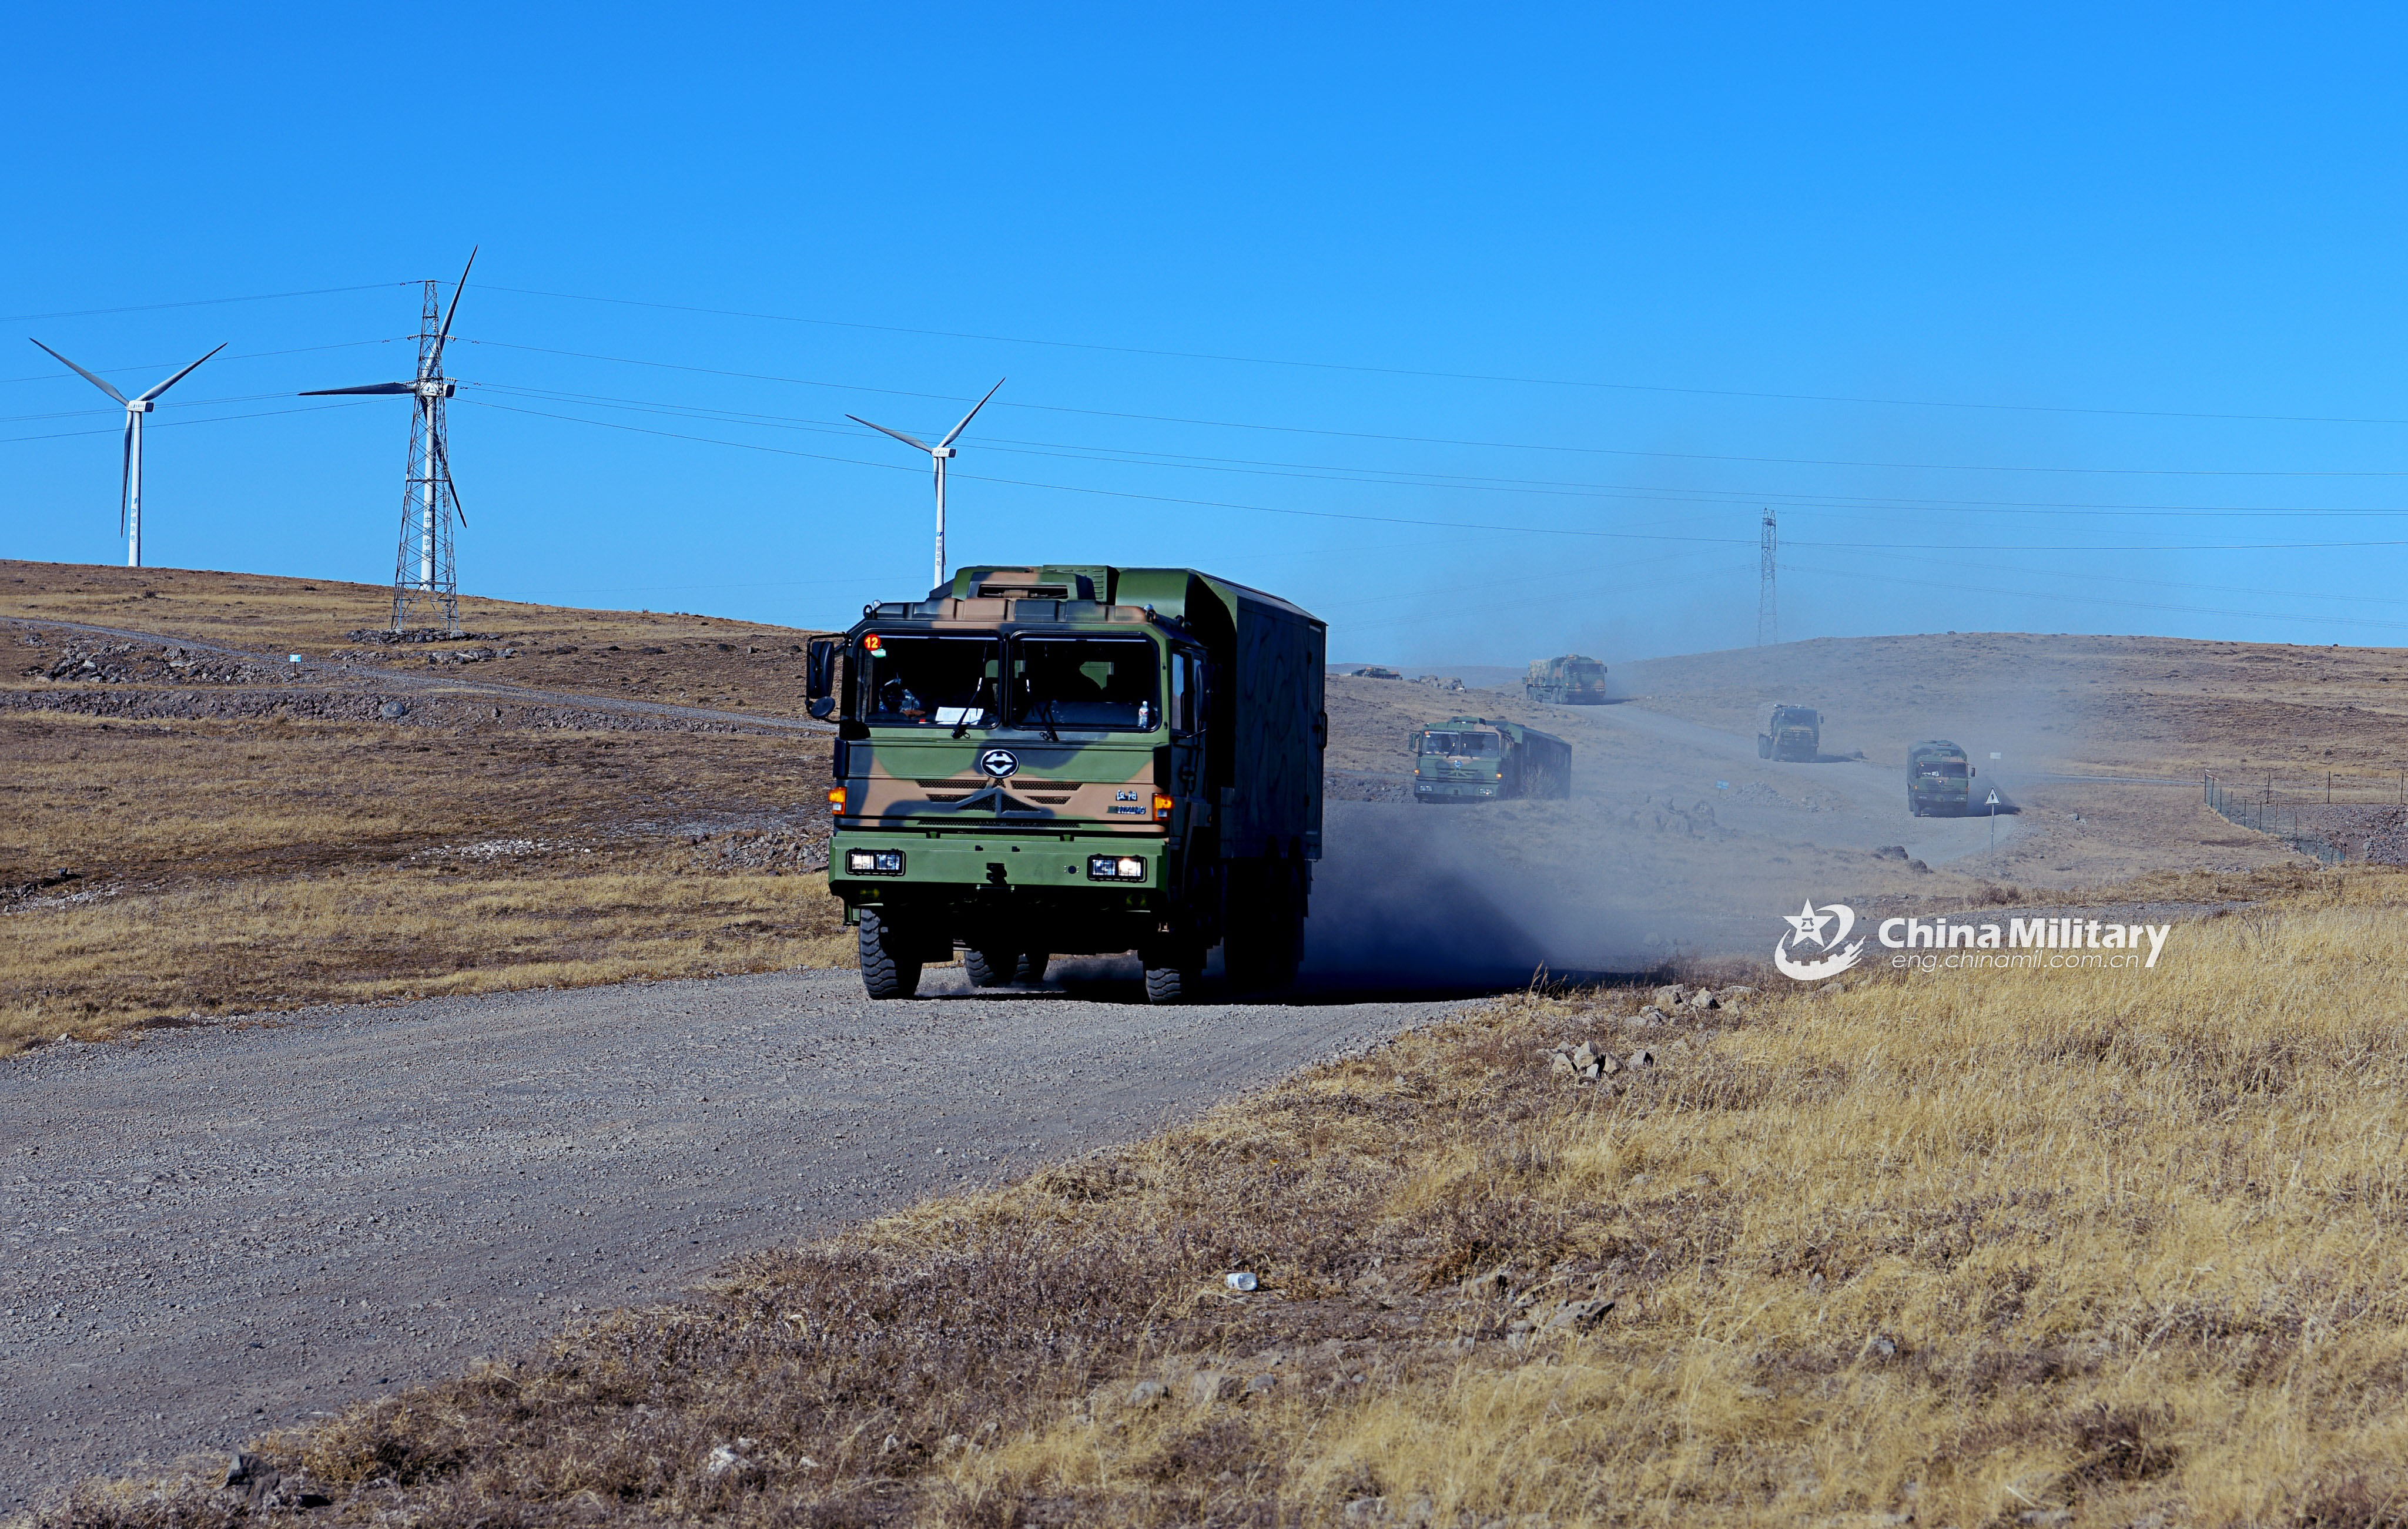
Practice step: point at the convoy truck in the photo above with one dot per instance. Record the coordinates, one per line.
(1788, 732)
(1939, 779)
(1055, 760)
(1474, 759)
(1571, 681)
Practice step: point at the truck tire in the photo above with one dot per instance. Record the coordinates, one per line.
(890, 963)
(1172, 974)
(991, 969)
(1003, 967)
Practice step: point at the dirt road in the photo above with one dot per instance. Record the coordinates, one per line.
(225, 1228)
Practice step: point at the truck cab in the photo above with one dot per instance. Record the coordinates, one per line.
(1791, 733)
(1045, 760)
(1939, 779)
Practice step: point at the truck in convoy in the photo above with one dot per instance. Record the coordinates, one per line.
(1475, 759)
(1939, 779)
(1571, 681)
(1788, 732)
(1058, 759)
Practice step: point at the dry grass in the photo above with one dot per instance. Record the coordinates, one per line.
(2128, 1246)
(405, 932)
(173, 844)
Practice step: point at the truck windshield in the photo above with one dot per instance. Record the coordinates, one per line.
(1943, 769)
(916, 682)
(1459, 743)
(1110, 685)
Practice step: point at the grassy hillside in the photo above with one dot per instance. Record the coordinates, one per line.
(193, 835)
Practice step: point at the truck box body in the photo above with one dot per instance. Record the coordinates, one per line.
(1476, 758)
(1571, 681)
(1079, 759)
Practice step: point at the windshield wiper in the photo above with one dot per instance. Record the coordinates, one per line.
(1050, 737)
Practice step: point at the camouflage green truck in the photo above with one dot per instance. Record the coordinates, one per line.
(1075, 759)
(1571, 681)
(1784, 732)
(1474, 759)
(1939, 779)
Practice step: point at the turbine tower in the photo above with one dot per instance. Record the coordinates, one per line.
(424, 573)
(1768, 608)
(129, 489)
(941, 452)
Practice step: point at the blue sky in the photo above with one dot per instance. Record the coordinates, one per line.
(1484, 334)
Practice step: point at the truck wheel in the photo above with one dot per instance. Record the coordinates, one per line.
(991, 969)
(890, 963)
(1172, 976)
(1032, 966)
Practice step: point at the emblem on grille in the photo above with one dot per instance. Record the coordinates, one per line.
(998, 763)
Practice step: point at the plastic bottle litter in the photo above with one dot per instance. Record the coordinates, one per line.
(1244, 1282)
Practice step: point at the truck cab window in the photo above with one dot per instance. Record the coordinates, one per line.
(1108, 685)
(1483, 744)
(921, 681)
(1186, 692)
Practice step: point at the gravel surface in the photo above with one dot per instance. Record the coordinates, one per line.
(219, 1229)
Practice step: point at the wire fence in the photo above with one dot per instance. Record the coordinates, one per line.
(2289, 809)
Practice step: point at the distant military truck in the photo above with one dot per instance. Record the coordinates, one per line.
(1939, 779)
(1571, 681)
(1791, 733)
(1474, 759)
(1033, 761)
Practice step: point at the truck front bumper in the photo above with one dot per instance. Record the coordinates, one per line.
(876, 864)
(1454, 790)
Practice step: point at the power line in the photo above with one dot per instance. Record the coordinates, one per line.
(1467, 525)
(200, 302)
(1445, 375)
(1838, 504)
(1391, 438)
(249, 355)
(164, 425)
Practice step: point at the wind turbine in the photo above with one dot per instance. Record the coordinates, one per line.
(943, 452)
(428, 500)
(129, 491)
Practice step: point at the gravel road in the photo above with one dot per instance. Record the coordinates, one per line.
(223, 1228)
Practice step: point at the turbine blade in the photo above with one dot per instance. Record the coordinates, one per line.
(372, 387)
(80, 372)
(971, 415)
(177, 378)
(443, 336)
(897, 434)
(126, 477)
(443, 459)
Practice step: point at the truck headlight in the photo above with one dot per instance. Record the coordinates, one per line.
(874, 862)
(1115, 868)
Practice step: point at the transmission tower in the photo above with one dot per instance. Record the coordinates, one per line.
(424, 577)
(1768, 606)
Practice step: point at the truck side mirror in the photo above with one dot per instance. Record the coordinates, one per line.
(819, 677)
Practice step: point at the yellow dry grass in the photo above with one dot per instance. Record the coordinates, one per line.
(387, 932)
(2026, 1247)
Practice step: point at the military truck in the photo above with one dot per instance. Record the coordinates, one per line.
(1571, 681)
(1054, 760)
(1939, 779)
(1788, 732)
(1475, 759)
